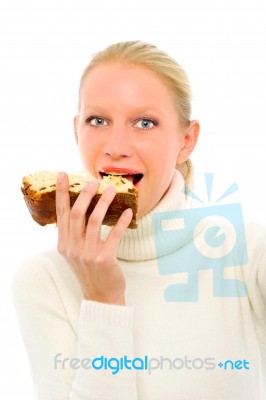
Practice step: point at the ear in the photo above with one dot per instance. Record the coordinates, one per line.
(189, 141)
(75, 122)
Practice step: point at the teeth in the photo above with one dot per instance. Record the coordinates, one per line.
(116, 173)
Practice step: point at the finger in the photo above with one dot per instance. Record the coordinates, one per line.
(79, 209)
(118, 230)
(96, 218)
(62, 207)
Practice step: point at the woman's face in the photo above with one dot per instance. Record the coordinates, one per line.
(128, 124)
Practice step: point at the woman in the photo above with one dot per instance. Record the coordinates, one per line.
(106, 315)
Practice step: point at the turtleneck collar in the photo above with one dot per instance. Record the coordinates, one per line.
(139, 244)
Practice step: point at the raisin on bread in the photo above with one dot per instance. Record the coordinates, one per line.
(39, 190)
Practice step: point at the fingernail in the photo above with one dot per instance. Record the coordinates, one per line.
(60, 177)
(128, 212)
(92, 182)
(110, 190)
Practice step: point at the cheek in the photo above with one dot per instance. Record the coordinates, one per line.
(84, 140)
(85, 150)
(81, 146)
(168, 149)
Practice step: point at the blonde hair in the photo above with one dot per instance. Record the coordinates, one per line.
(166, 67)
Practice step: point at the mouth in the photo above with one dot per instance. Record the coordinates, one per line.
(133, 176)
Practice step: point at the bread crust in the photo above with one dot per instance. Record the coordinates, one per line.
(41, 204)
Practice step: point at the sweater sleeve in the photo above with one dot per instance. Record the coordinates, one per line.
(262, 266)
(60, 359)
(255, 271)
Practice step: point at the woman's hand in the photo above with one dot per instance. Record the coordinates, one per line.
(92, 259)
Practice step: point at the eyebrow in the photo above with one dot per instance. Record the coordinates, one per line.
(138, 110)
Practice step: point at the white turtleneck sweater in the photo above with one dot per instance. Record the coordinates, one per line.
(187, 332)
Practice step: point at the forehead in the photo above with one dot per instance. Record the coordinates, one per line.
(125, 81)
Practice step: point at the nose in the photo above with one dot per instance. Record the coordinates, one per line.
(118, 143)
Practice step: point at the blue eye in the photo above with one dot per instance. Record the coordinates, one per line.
(97, 121)
(145, 123)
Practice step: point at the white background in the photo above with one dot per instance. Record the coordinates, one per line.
(44, 47)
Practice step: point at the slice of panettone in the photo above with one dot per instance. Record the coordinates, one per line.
(39, 190)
